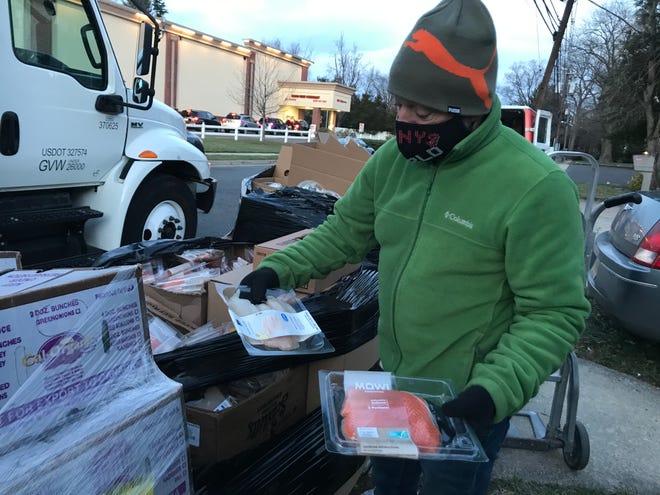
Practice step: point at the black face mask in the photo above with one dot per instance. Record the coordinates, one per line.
(425, 142)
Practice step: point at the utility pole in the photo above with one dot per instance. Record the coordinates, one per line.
(562, 118)
(539, 99)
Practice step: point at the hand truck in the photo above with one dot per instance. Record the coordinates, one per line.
(572, 438)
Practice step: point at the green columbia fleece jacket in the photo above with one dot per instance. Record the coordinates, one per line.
(481, 270)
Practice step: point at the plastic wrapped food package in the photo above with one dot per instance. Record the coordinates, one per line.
(380, 414)
(280, 325)
(165, 338)
(189, 271)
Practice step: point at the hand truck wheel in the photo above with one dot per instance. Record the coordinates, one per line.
(578, 457)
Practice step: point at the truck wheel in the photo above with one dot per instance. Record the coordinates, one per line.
(163, 208)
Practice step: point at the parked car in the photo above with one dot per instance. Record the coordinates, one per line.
(273, 123)
(234, 120)
(624, 278)
(297, 125)
(200, 116)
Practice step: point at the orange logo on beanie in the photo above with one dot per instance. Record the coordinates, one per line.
(435, 51)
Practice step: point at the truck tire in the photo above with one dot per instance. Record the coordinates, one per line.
(163, 208)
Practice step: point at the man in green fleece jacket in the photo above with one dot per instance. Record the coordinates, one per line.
(481, 268)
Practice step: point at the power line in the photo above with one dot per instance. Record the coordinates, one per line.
(550, 29)
(554, 20)
(540, 94)
(557, 16)
(615, 15)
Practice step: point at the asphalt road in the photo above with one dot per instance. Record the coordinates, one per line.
(222, 217)
(618, 176)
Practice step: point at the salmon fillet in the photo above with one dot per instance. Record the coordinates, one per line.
(389, 409)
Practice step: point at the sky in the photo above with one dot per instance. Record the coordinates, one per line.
(375, 28)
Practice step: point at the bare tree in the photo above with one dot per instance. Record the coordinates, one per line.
(522, 82)
(259, 93)
(347, 67)
(265, 87)
(602, 39)
(644, 50)
(580, 97)
(294, 48)
(375, 85)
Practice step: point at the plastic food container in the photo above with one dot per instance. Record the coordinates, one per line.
(379, 414)
(281, 326)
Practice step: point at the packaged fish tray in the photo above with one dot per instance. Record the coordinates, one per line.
(279, 326)
(375, 413)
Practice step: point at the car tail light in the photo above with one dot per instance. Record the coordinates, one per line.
(195, 119)
(648, 251)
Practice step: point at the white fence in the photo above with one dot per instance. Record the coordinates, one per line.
(203, 130)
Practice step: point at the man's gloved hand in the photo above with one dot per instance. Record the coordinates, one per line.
(474, 405)
(259, 281)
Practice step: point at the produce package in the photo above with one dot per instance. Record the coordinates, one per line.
(376, 413)
(279, 326)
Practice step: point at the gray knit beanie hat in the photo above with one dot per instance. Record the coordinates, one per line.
(448, 62)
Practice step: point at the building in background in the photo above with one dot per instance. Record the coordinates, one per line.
(199, 71)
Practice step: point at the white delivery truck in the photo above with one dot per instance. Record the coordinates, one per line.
(85, 162)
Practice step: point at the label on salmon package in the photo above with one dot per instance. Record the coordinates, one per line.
(367, 380)
(387, 421)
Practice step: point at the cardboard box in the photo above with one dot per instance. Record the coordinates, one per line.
(217, 311)
(67, 329)
(214, 436)
(328, 162)
(133, 445)
(186, 312)
(82, 403)
(361, 358)
(314, 285)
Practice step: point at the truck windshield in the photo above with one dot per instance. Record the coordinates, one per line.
(59, 36)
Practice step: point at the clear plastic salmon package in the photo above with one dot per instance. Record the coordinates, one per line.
(375, 413)
(279, 326)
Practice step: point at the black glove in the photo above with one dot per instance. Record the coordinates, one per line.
(258, 282)
(474, 405)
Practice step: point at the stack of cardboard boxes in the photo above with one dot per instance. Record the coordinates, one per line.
(215, 436)
(83, 408)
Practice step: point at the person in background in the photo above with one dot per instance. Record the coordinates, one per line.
(481, 271)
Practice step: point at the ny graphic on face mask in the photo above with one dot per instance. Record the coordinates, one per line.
(425, 142)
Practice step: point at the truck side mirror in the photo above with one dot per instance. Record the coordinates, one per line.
(141, 90)
(145, 49)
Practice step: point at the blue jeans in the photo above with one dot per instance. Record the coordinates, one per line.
(394, 476)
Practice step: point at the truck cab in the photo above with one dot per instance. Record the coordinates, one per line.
(534, 125)
(85, 161)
